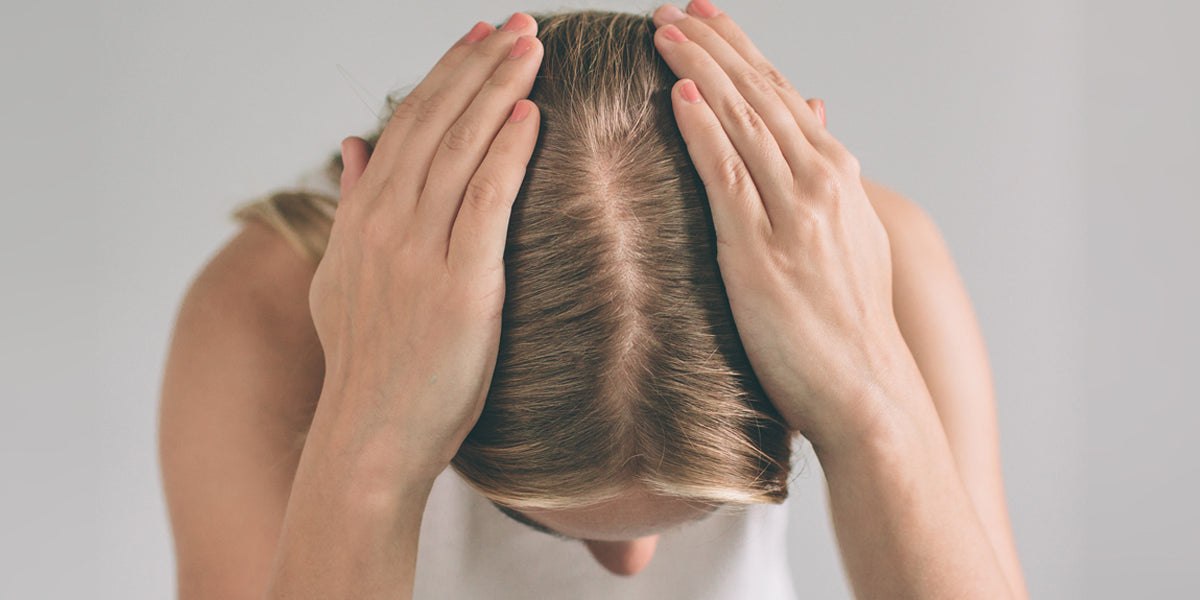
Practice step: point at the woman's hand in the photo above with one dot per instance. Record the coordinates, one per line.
(804, 257)
(807, 268)
(408, 297)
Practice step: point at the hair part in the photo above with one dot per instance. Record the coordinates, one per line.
(619, 361)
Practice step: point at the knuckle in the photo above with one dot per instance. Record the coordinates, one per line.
(774, 77)
(820, 211)
(460, 136)
(427, 112)
(406, 109)
(809, 219)
(740, 114)
(828, 185)
(757, 81)
(821, 180)
(731, 171)
(481, 193)
(847, 162)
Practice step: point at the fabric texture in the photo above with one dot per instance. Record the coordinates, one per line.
(470, 550)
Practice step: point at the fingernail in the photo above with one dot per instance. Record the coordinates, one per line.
(671, 13)
(673, 33)
(478, 32)
(511, 24)
(703, 8)
(520, 111)
(823, 114)
(524, 43)
(689, 92)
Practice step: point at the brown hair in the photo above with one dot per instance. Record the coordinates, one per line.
(619, 361)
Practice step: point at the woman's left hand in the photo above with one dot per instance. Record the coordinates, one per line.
(807, 268)
(804, 257)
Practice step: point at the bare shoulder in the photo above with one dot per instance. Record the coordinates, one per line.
(258, 268)
(921, 261)
(923, 274)
(243, 372)
(895, 210)
(255, 290)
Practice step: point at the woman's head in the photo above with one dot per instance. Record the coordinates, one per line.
(621, 387)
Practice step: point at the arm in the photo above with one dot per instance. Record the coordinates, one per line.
(244, 371)
(260, 328)
(806, 263)
(406, 303)
(937, 473)
(934, 314)
(905, 525)
(343, 535)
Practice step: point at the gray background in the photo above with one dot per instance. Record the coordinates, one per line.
(1052, 141)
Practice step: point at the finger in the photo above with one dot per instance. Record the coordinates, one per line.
(738, 214)
(424, 117)
(749, 83)
(394, 130)
(466, 142)
(723, 25)
(355, 154)
(480, 230)
(818, 107)
(759, 146)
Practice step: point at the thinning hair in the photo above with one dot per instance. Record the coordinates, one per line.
(619, 362)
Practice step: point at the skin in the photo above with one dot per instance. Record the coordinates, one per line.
(612, 530)
(904, 433)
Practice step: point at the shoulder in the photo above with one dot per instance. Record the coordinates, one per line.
(918, 249)
(251, 299)
(898, 213)
(240, 382)
(260, 272)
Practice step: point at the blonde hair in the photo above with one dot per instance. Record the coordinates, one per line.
(619, 362)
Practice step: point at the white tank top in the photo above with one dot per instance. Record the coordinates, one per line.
(470, 550)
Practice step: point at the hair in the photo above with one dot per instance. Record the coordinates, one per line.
(619, 362)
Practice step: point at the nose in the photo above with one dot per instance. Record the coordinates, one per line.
(625, 558)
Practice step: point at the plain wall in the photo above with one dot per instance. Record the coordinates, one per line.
(1052, 141)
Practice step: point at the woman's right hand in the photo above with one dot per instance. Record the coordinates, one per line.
(408, 296)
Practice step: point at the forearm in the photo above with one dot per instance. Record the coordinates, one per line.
(904, 522)
(347, 531)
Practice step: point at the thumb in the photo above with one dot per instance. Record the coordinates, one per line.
(355, 153)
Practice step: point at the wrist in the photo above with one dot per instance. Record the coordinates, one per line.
(869, 427)
(360, 527)
(889, 436)
(371, 457)
(889, 406)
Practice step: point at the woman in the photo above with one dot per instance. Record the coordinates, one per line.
(549, 320)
